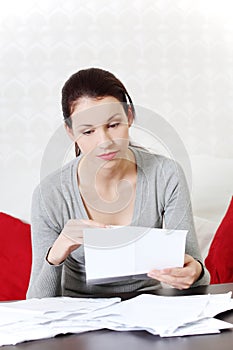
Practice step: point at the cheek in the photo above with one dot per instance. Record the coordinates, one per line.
(86, 144)
(124, 135)
(122, 132)
(123, 139)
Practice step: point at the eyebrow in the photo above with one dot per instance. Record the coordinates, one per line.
(90, 125)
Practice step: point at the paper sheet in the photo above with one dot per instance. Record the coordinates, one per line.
(165, 316)
(115, 253)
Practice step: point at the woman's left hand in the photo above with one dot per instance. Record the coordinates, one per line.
(179, 277)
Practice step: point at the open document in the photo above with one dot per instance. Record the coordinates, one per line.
(119, 252)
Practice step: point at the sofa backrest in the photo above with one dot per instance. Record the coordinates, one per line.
(15, 257)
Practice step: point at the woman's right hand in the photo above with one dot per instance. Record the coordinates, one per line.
(70, 238)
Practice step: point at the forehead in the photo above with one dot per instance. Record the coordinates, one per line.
(90, 111)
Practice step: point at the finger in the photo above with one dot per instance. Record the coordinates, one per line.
(180, 282)
(74, 231)
(176, 282)
(75, 237)
(176, 272)
(83, 222)
(95, 223)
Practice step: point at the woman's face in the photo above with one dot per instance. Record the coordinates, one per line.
(100, 127)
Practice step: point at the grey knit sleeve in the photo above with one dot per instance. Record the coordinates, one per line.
(45, 280)
(178, 212)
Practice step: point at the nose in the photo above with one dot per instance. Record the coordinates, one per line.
(104, 137)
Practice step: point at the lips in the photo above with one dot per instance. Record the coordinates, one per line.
(107, 156)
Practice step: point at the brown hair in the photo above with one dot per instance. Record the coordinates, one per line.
(93, 83)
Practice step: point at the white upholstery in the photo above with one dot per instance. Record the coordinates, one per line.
(205, 230)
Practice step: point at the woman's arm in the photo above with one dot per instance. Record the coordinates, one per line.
(51, 246)
(178, 215)
(45, 280)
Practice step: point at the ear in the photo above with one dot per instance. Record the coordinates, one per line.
(69, 132)
(130, 116)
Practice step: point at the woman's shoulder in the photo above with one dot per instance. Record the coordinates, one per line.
(167, 172)
(161, 166)
(149, 158)
(55, 181)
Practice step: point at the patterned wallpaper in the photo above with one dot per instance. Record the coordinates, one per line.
(175, 57)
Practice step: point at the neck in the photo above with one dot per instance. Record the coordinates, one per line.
(109, 189)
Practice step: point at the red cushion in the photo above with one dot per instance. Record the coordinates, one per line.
(219, 261)
(15, 258)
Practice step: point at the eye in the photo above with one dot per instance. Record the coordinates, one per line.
(114, 125)
(88, 132)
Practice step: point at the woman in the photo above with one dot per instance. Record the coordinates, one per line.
(110, 182)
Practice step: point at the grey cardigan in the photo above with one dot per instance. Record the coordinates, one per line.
(162, 198)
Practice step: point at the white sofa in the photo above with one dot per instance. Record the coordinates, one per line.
(211, 195)
(205, 230)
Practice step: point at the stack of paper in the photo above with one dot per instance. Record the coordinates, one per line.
(44, 318)
(165, 316)
(173, 316)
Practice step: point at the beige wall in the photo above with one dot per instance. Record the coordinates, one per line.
(175, 58)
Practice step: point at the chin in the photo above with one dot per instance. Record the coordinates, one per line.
(110, 163)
